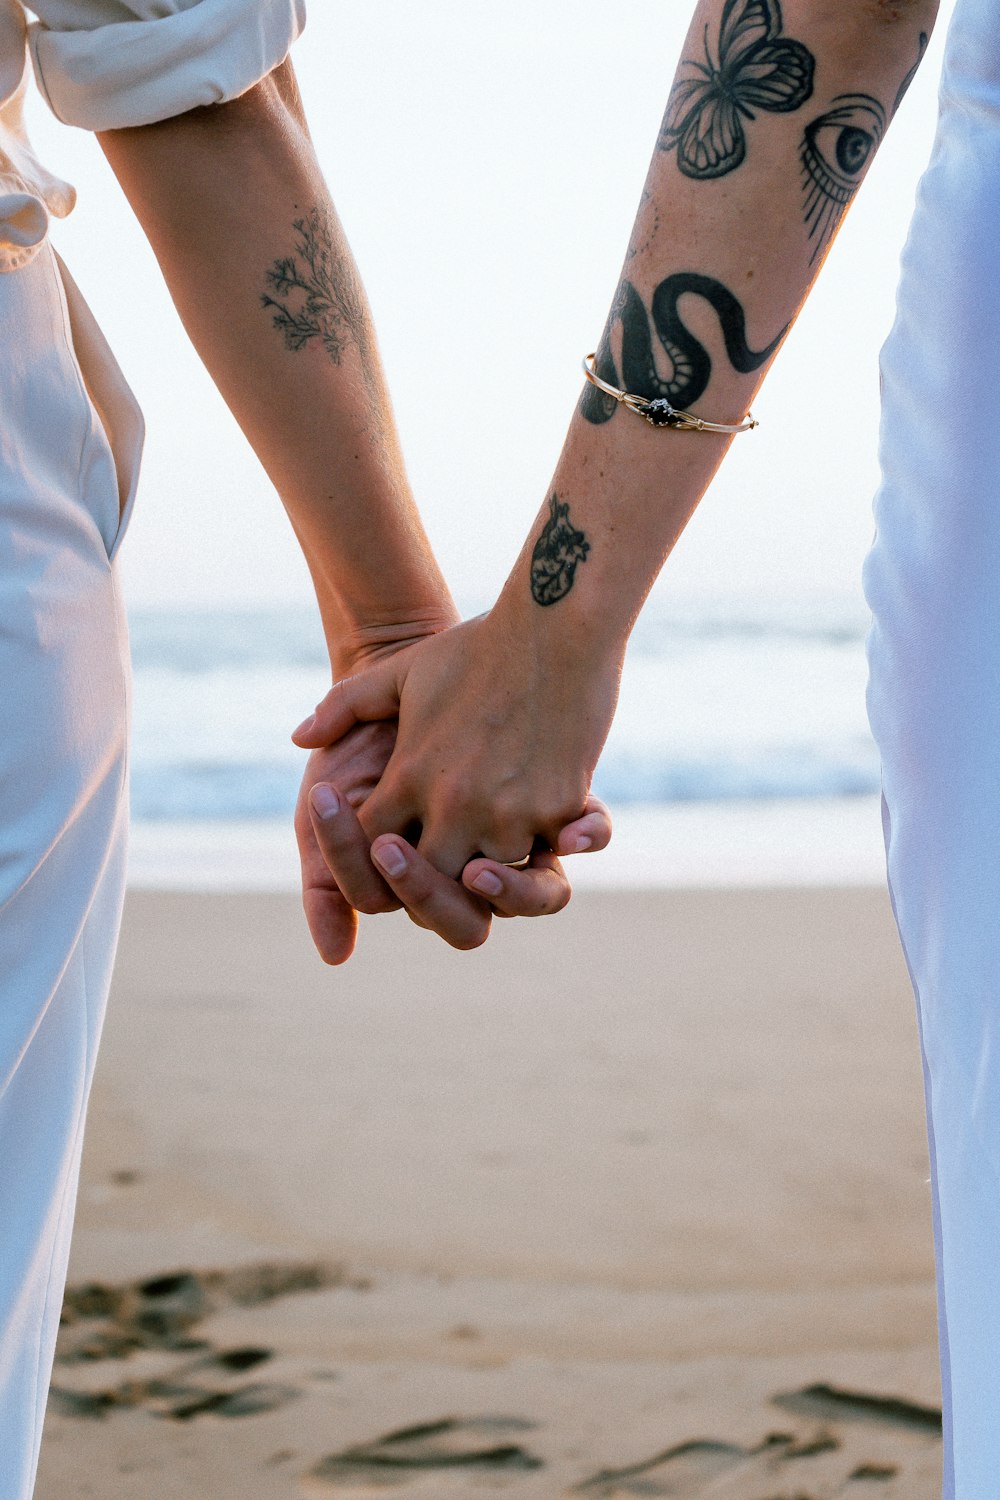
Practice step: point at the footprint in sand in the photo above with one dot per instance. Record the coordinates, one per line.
(248, 1401)
(125, 1177)
(239, 1359)
(680, 1470)
(86, 1405)
(813, 1467)
(190, 1390)
(102, 1321)
(434, 1448)
(831, 1405)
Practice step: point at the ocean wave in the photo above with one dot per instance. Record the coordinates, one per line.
(204, 641)
(720, 705)
(211, 790)
(625, 780)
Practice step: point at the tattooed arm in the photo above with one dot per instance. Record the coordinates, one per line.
(771, 124)
(236, 209)
(774, 117)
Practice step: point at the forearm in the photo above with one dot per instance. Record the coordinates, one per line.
(733, 227)
(236, 210)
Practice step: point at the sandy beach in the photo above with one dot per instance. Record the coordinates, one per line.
(629, 1203)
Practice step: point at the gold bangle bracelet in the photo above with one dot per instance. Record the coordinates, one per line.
(658, 411)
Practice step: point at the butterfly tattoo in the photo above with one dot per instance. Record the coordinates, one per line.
(756, 68)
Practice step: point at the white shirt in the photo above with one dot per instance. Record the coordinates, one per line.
(106, 64)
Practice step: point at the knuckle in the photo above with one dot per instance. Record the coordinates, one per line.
(417, 884)
(374, 816)
(548, 904)
(376, 903)
(508, 809)
(453, 802)
(331, 701)
(601, 834)
(506, 850)
(404, 772)
(560, 812)
(471, 939)
(568, 805)
(561, 898)
(544, 894)
(517, 815)
(368, 819)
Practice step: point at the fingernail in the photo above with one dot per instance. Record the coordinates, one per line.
(325, 800)
(306, 724)
(391, 858)
(487, 883)
(581, 844)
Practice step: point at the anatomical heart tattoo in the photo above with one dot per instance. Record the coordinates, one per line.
(557, 552)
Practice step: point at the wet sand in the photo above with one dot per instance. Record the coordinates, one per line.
(633, 1202)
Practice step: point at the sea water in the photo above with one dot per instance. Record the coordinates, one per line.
(718, 703)
(740, 748)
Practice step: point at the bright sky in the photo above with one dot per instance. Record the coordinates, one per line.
(487, 162)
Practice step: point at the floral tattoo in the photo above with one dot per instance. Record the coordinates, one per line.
(316, 293)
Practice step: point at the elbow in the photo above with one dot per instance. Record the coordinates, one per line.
(882, 36)
(876, 19)
(879, 16)
(874, 13)
(899, 12)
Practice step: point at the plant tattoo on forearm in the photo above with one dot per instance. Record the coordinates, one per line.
(558, 551)
(330, 307)
(755, 68)
(690, 362)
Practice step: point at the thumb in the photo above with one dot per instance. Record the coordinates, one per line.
(372, 694)
(590, 831)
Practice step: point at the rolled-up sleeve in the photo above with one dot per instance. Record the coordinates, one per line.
(105, 64)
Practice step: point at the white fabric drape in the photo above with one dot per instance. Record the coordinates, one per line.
(70, 447)
(933, 582)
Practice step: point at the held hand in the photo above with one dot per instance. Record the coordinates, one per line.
(496, 745)
(356, 762)
(461, 914)
(339, 879)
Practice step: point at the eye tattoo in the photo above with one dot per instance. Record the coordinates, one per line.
(557, 552)
(835, 152)
(690, 361)
(756, 68)
(322, 299)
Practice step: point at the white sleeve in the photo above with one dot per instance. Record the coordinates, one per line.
(105, 64)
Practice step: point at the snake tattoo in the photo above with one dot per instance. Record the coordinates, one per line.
(691, 364)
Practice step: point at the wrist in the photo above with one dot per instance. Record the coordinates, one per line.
(558, 647)
(572, 633)
(355, 642)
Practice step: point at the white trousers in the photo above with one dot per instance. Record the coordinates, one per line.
(70, 436)
(933, 583)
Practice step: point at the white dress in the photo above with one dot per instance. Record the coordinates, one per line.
(70, 444)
